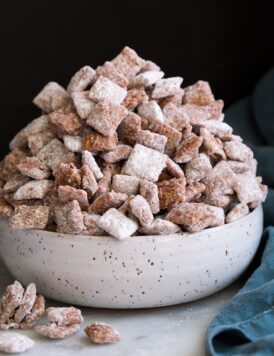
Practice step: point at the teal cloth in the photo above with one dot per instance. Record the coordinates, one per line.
(246, 324)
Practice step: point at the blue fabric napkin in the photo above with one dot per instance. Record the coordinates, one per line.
(245, 326)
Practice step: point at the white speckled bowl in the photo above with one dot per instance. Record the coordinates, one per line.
(144, 271)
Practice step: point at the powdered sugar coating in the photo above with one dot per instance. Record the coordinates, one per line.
(53, 96)
(35, 189)
(101, 333)
(140, 208)
(166, 87)
(81, 79)
(125, 184)
(64, 315)
(11, 343)
(55, 331)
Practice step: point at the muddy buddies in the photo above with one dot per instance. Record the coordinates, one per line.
(123, 151)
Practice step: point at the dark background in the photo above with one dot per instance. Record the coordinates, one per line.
(229, 44)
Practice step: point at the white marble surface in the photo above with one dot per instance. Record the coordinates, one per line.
(174, 331)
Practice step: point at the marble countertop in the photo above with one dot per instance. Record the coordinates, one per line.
(175, 331)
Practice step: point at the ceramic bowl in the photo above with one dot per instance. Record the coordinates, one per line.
(141, 272)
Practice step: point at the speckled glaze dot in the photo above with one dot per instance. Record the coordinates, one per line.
(141, 272)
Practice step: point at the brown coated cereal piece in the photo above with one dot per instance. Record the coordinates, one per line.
(37, 141)
(95, 142)
(125, 184)
(129, 127)
(237, 151)
(53, 96)
(212, 146)
(202, 224)
(128, 62)
(171, 192)
(117, 224)
(186, 213)
(220, 199)
(88, 159)
(35, 189)
(107, 201)
(6, 210)
(151, 111)
(14, 183)
(145, 79)
(255, 203)
(90, 222)
(188, 149)
(173, 136)
(109, 70)
(238, 212)
(10, 301)
(26, 303)
(149, 191)
(104, 183)
(36, 313)
(65, 315)
(83, 104)
(32, 167)
(120, 153)
(174, 169)
(199, 94)
(67, 193)
(55, 331)
(152, 140)
(139, 163)
(239, 167)
(105, 89)
(216, 128)
(140, 208)
(217, 215)
(30, 217)
(149, 65)
(134, 98)
(66, 121)
(125, 207)
(172, 99)
(101, 333)
(160, 227)
(167, 87)
(187, 131)
(69, 218)
(52, 154)
(11, 343)
(8, 165)
(174, 117)
(81, 79)
(248, 189)
(89, 182)
(194, 190)
(68, 174)
(198, 168)
(73, 143)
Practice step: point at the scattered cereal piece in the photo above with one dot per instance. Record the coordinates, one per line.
(198, 168)
(73, 143)
(117, 224)
(12, 343)
(160, 227)
(107, 201)
(88, 159)
(65, 315)
(14, 183)
(167, 87)
(101, 333)
(89, 182)
(129, 128)
(83, 104)
(139, 163)
(109, 71)
(152, 140)
(69, 218)
(146, 79)
(66, 121)
(128, 62)
(188, 149)
(10, 301)
(140, 208)
(36, 314)
(199, 94)
(67, 193)
(134, 98)
(95, 142)
(238, 212)
(35, 189)
(149, 191)
(51, 97)
(105, 89)
(120, 153)
(32, 167)
(26, 303)
(30, 217)
(151, 111)
(237, 151)
(171, 192)
(52, 154)
(55, 331)
(125, 184)
(81, 79)
(186, 213)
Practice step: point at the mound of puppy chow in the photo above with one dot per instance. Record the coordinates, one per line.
(124, 151)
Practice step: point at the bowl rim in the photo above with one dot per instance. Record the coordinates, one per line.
(96, 238)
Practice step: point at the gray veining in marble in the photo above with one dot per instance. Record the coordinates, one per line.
(174, 331)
